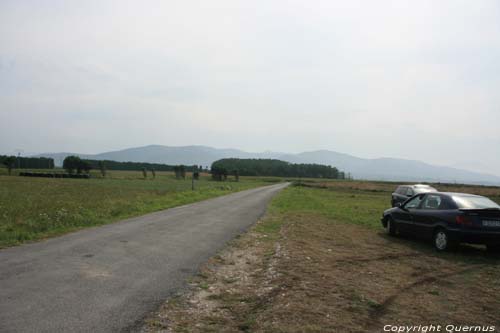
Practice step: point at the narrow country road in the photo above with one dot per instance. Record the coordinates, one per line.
(106, 279)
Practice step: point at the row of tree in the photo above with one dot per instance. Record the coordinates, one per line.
(220, 169)
(11, 162)
(139, 166)
(270, 167)
(75, 163)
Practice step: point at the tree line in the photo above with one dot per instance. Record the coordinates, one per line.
(138, 166)
(18, 162)
(74, 164)
(271, 167)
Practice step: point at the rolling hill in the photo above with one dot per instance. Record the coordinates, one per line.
(360, 168)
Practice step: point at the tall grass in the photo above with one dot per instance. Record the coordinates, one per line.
(35, 208)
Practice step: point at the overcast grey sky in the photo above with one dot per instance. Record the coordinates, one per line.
(408, 79)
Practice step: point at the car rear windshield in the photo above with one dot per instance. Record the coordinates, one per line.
(470, 202)
(401, 190)
(424, 189)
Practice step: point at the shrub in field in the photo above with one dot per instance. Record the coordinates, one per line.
(144, 173)
(102, 167)
(219, 173)
(153, 172)
(180, 171)
(53, 175)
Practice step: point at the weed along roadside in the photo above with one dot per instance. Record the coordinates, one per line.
(318, 261)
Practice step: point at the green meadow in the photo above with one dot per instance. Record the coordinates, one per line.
(36, 208)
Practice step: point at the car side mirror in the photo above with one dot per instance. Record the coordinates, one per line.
(401, 206)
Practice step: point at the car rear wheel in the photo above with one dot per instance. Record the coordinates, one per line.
(390, 227)
(442, 241)
(493, 248)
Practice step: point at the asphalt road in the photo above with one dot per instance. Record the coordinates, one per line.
(106, 279)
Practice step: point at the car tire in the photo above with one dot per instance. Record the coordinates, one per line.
(493, 248)
(391, 227)
(442, 241)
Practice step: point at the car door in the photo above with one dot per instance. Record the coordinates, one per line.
(427, 217)
(404, 215)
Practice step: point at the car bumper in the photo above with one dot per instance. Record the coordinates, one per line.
(476, 236)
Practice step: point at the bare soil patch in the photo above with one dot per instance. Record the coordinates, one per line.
(316, 275)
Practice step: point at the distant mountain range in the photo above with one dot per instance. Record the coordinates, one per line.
(360, 168)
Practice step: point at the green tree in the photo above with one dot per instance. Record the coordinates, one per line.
(271, 167)
(102, 167)
(196, 172)
(219, 172)
(72, 163)
(85, 166)
(9, 162)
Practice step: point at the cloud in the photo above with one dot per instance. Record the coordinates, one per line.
(387, 78)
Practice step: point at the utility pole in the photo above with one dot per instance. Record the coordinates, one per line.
(192, 182)
(18, 160)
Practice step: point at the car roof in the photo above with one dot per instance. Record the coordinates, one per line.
(415, 185)
(458, 194)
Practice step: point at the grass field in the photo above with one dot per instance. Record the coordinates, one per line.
(36, 208)
(320, 262)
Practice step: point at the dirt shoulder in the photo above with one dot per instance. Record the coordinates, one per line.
(307, 273)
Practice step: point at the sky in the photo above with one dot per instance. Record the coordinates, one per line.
(405, 79)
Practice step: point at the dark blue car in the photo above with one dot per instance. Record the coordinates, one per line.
(447, 219)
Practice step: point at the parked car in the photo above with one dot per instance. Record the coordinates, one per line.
(447, 219)
(404, 192)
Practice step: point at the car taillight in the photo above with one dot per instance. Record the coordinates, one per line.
(464, 220)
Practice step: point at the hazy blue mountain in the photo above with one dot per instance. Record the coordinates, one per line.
(361, 168)
(391, 168)
(189, 155)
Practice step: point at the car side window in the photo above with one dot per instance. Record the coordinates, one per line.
(409, 192)
(432, 202)
(401, 190)
(414, 203)
(448, 203)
